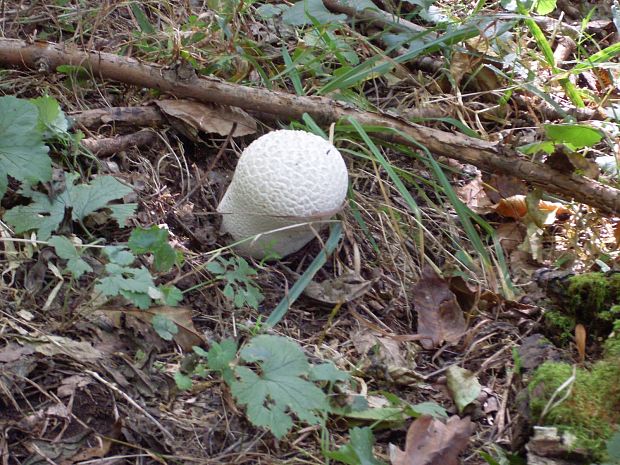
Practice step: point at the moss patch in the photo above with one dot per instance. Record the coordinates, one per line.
(592, 411)
(590, 298)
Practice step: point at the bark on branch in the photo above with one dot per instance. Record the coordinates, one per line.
(491, 157)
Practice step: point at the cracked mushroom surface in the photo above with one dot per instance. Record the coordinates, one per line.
(285, 185)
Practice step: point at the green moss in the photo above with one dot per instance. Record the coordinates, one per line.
(590, 294)
(592, 299)
(561, 326)
(592, 411)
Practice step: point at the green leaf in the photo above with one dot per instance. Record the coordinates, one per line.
(141, 18)
(164, 326)
(268, 10)
(327, 372)
(577, 135)
(170, 295)
(463, 386)
(52, 121)
(153, 240)
(220, 356)
(119, 255)
(359, 449)
(302, 13)
(279, 388)
(67, 251)
(544, 7)
(430, 408)
(44, 214)
(613, 446)
(23, 155)
(134, 284)
(183, 382)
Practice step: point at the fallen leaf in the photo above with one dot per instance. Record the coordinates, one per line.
(503, 186)
(473, 194)
(186, 337)
(439, 315)
(463, 386)
(510, 236)
(431, 442)
(78, 350)
(12, 352)
(344, 288)
(209, 118)
(516, 207)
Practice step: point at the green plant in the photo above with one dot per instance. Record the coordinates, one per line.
(44, 215)
(136, 284)
(272, 378)
(238, 275)
(359, 449)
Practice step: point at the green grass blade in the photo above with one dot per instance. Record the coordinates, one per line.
(292, 72)
(305, 279)
(141, 18)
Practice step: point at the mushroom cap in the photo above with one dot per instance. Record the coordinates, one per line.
(283, 179)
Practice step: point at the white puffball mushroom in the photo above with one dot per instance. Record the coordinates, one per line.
(283, 181)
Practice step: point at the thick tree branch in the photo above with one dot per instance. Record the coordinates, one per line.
(492, 157)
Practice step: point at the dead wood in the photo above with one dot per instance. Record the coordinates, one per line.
(488, 156)
(120, 116)
(110, 145)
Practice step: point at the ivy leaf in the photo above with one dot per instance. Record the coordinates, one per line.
(302, 13)
(23, 155)
(67, 251)
(359, 449)
(153, 240)
(44, 214)
(165, 327)
(279, 388)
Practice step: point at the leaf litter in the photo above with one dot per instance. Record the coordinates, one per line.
(456, 326)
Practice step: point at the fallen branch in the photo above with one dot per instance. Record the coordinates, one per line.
(491, 157)
(120, 116)
(110, 145)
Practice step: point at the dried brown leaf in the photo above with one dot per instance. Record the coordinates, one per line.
(209, 118)
(431, 442)
(344, 288)
(187, 337)
(473, 194)
(440, 317)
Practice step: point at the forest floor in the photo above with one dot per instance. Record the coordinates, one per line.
(482, 145)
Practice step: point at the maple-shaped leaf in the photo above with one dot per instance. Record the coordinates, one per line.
(23, 155)
(279, 387)
(432, 442)
(440, 318)
(45, 214)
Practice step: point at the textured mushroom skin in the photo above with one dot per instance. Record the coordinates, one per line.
(284, 178)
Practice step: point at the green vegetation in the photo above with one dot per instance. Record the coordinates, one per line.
(587, 405)
(590, 298)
